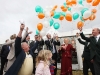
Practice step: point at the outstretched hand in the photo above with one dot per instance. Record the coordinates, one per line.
(80, 28)
(22, 26)
(30, 32)
(77, 34)
(27, 29)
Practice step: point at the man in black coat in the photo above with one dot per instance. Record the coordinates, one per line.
(94, 48)
(39, 47)
(86, 57)
(51, 44)
(4, 54)
(23, 65)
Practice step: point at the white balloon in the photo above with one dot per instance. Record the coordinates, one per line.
(87, 14)
(99, 6)
(68, 12)
(80, 7)
(42, 33)
(47, 14)
(46, 24)
(88, 5)
(48, 8)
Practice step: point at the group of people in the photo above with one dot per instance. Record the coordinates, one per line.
(91, 53)
(19, 56)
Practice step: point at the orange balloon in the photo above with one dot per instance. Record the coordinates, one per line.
(53, 9)
(39, 26)
(85, 19)
(89, 1)
(68, 17)
(55, 6)
(94, 10)
(92, 17)
(41, 15)
(52, 13)
(95, 3)
(64, 10)
(61, 17)
(73, 1)
(62, 7)
(80, 24)
(69, 3)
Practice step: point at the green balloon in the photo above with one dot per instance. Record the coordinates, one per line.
(51, 21)
(37, 32)
(65, 5)
(63, 13)
(69, 9)
(83, 10)
(80, 2)
(56, 15)
(56, 25)
(75, 16)
(39, 9)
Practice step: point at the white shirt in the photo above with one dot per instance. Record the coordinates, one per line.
(98, 36)
(36, 51)
(27, 66)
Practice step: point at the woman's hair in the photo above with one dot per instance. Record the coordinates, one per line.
(43, 56)
(13, 36)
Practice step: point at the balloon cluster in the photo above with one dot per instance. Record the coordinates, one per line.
(71, 10)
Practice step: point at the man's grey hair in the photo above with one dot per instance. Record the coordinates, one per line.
(22, 43)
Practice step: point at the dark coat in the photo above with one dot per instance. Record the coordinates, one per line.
(40, 45)
(20, 56)
(4, 51)
(50, 46)
(94, 47)
(86, 52)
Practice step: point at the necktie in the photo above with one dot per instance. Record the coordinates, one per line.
(96, 38)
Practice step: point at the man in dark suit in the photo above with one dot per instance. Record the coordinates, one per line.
(94, 48)
(86, 57)
(51, 45)
(24, 57)
(4, 54)
(39, 47)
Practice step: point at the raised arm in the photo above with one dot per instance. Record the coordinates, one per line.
(25, 34)
(10, 42)
(57, 42)
(34, 46)
(42, 42)
(80, 41)
(83, 36)
(18, 41)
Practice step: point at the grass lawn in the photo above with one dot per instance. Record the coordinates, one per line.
(78, 72)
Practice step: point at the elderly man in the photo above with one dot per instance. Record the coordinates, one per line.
(11, 56)
(23, 64)
(94, 48)
(51, 44)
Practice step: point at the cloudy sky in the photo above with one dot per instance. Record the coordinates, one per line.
(11, 11)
